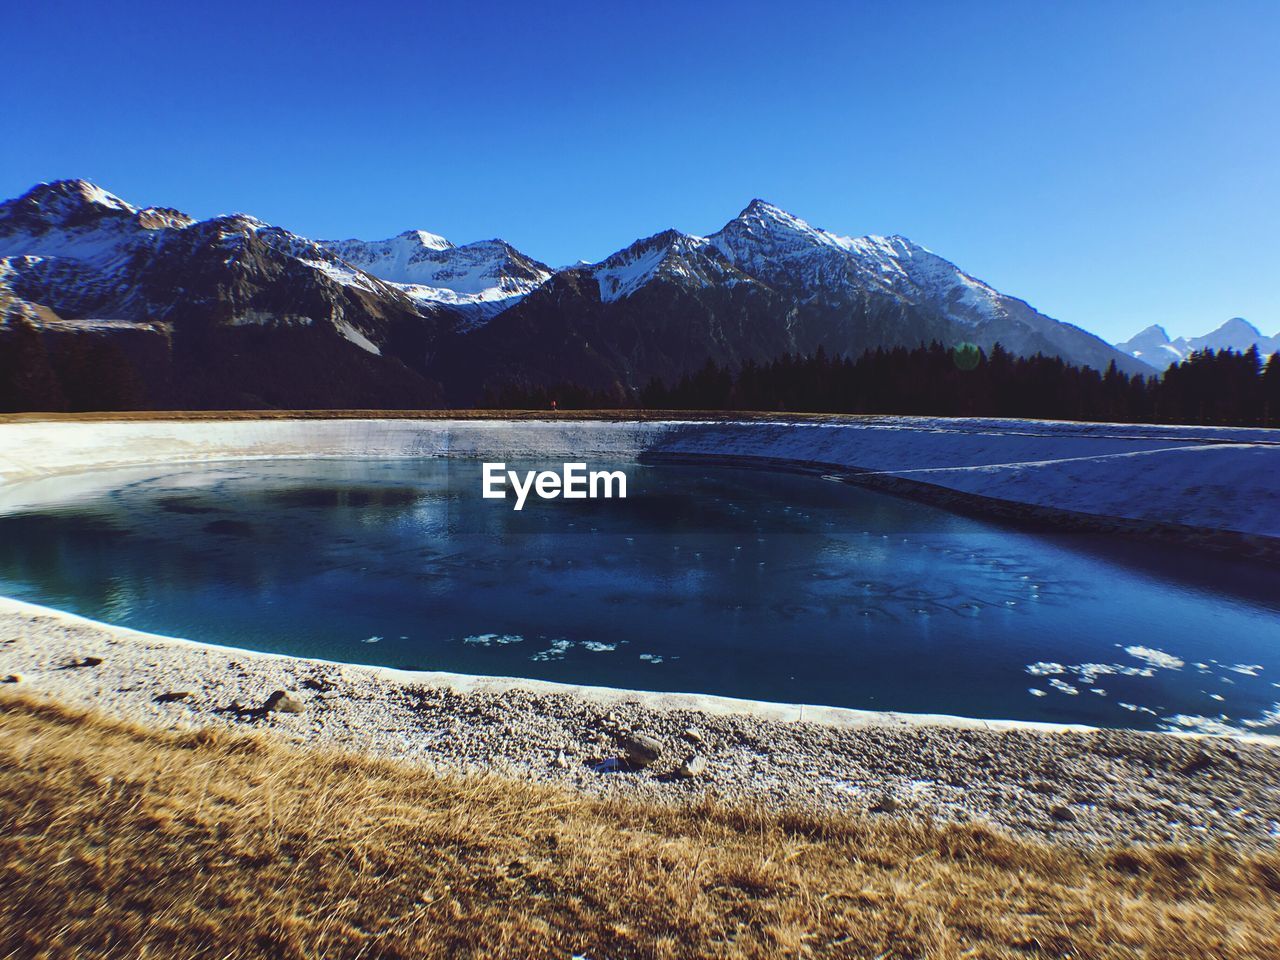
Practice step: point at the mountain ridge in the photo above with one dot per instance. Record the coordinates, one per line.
(277, 315)
(1154, 345)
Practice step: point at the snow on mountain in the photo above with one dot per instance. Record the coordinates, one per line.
(64, 203)
(671, 255)
(399, 260)
(810, 267)
(766, 244)
(1155, 346)
(783, 250)
(81, 250)
(478, 279)
(224, 311)
(1236, 334)
(767, 282)
(84, 251)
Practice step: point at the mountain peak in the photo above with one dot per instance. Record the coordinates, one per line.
(1235, 334)
(762, 208)
(670, 254)
(763, 212)
(426, 239)
(1239, 325)
(65, 203)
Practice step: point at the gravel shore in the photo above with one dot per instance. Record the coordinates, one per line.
(1075, 785)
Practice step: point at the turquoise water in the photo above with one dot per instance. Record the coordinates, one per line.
(744, 583)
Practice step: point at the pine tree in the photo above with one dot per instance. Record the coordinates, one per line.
(1270, 392)
(27, 379)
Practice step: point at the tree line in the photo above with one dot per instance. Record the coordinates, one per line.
(1222, 387)
(87, 373)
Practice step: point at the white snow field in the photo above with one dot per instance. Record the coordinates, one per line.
(1214, 479)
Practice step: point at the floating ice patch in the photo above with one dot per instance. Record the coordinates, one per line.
(651, 657)
(1134, 708)
(1157, 658)
(556, 651)
(1089, 672)
(1124, 670)
(490, 639)
(1064, 687)
(1045, 669)
(595, 646)
(1098, 690)
(1248, 669)
(371, 640)
(1269, 719)
(1037, 692)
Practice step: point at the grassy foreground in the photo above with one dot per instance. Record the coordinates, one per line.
(123, 842)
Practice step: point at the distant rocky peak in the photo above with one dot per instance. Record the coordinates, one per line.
(759, 209)
(765, 216)
(1238, 325)
(659, 245)
(424, 239)
(763, 235)
(237, 224)
(671, 254)
(1235, 334)
(163, 218)
(64, 203)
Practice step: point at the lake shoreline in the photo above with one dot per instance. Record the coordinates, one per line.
(1205, 487)
(1072, 784)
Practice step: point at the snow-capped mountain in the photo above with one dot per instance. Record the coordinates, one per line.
(232, 311)
(671, 256)
(82, 251)
(1154, 345)
(478, 279)
(222, 312)
(789, 254)
(767, 282)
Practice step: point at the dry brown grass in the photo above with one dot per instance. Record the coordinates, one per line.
(116, 841)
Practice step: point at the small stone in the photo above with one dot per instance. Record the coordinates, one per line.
(694, 735)
(641, 749)
(1062, 814)
(1201, 761)
(14, 678)
(885, 803)
(694, 766)
(283, 702)
(86, 662)
(560, 760)
(173, 696)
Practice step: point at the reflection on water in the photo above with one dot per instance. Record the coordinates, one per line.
(715, 580)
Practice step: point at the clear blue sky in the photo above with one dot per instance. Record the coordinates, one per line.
(1116, 164)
